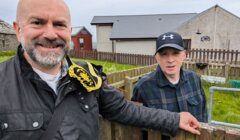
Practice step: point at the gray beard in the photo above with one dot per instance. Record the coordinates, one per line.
(44, 59)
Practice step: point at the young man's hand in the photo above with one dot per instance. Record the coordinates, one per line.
(189, 123)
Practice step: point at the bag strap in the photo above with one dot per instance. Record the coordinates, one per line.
(57, 118)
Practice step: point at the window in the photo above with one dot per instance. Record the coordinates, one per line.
(81, 42)
(3, 43)
(71, 45)
(187, 43)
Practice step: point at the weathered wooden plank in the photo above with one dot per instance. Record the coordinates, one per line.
(124, 132)
(105, 132)
(180, 135)
(190, 136)
(206, 134)
(118, 132)
(218, 135)
(137, 133)
(154, 135)
(128, 87)
(232, 135)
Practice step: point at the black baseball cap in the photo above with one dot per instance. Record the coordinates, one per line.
(170, 39)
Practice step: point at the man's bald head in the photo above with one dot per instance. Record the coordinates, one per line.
(26, 6)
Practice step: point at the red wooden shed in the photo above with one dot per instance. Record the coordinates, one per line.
(81, 38)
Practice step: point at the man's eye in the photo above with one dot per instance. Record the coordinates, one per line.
(60, 25)
(163, 53)
(36, 22)
(176, 52)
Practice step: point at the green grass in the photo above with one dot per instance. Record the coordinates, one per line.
(226, 105)
(4, 55)
(108, 66)
(7, 53)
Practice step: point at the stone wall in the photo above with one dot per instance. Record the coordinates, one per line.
(214, 28)
(8, 42)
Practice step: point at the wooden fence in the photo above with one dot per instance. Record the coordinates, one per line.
(115, 131)
(216, 56)
(226, 70)
(115, 77)
(122, 58)
(195, 55)
(229, 71)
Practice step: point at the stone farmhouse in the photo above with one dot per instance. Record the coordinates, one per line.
(8, 39)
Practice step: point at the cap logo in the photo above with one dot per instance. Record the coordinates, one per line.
(167, 36)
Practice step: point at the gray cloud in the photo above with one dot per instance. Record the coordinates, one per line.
(82, 11)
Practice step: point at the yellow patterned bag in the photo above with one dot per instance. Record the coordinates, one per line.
(87, 75)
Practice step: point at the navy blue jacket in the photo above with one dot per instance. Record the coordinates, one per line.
(155, 91)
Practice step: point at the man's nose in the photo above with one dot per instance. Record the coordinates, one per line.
(50, 33)
(170, 58)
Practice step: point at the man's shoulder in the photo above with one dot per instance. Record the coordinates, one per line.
(146, 78)
(190, 75)
(5, 64)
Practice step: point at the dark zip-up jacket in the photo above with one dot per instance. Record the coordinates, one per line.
(27, 105)
(155, 91)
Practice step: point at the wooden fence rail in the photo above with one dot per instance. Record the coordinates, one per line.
(217, 56)
(195, 55)
(115, 131)
(212, 69)
(118, 76)
(226, 70)
(134, 59)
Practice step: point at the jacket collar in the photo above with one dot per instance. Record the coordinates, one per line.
(25, 68)
(163, 81)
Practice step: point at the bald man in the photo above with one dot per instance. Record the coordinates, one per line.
(46, 96)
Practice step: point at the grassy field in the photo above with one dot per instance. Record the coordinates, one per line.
(4, 55)
(226, 105)
(107, 66)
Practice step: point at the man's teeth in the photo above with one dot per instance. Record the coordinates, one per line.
(49, 46)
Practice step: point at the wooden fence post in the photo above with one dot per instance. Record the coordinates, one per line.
(128, 87)
(154, 135)
(180, 135)
(232, 135)
(218, 134)
(105, 132)
(227, 70)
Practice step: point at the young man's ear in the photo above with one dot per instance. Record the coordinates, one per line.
(156, 55)
(17, 30)
(185, 52)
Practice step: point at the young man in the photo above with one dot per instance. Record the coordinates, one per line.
(46, 96)
(170, 87)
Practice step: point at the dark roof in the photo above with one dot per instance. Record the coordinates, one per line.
(6, 28)
(142, 26)
(76, 30)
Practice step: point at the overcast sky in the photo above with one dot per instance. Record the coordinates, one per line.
(82, 11)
